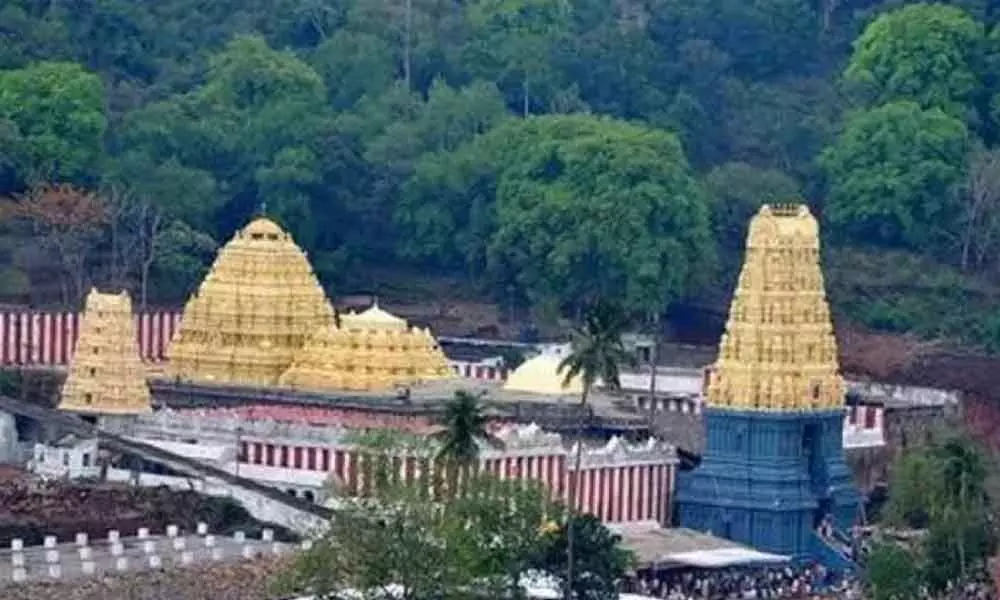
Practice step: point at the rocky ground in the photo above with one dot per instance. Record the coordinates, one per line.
(30, 510)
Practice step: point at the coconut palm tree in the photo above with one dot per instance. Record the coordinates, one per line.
(596, 355)
(464, 426)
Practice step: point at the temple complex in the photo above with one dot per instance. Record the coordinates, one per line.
(372, 350)
(773, 465)
(253, 312)
(105, 373)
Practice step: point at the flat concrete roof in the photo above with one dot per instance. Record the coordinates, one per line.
(653, 544)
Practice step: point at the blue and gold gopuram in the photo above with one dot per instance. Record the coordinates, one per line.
(773, 465)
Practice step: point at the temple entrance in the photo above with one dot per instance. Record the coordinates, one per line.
(812, 451)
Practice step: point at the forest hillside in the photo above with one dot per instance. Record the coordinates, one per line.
(539, 152)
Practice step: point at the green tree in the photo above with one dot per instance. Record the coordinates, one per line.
(511, 43)
(927, 53)
(893, 173)
(485, 538)
(942, 487)
(55, 115)
(353, 65)
(591, 208)
(597, 354)
(254, 126)
(601, 562)
(736, 191)
(892, 573)
(464, 428)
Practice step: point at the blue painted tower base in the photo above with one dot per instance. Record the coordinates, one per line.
(767, 479)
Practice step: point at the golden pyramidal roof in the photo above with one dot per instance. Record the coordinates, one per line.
(540, 375)
(252, 313)
(373, 350)
(106, 375)
(778, 352)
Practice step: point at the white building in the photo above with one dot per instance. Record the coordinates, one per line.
(70, 457)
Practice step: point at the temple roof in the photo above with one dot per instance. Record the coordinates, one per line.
(374, 318)
(778, 352)
(373, 350)
(106, 375)
(540, 375)
(252, 313)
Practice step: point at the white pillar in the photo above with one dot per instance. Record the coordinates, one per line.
(16, 545)
(88, 567)
(86, 554)
(209, 541)
(114, 536)
(17, 560)
(149, 547)
(179, 543)
(117, 549)
(52, 556)
(239, 537)
(202, 528)
(155, 562)
(307, 545)
(248, 552)
(267, 535)
(19, 575)
(50, 541)
(171, 531)
(121, 563)
(55, 571)
(81, 539)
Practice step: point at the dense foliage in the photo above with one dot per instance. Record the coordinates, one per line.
(947, 489)
(547, 151)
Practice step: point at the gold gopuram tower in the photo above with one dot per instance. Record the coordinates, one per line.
(252, 313)
(106, 375)
(773, 464)
(778, 351)
(370, 351)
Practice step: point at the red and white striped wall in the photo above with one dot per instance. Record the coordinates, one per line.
(32, 338)
(620, 493)
(43, 339)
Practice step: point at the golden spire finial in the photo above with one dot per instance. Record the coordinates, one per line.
(252, 313)
(779, 352)
(106, 375)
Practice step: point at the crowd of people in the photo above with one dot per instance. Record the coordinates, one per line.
(791, 582)
(811, 582)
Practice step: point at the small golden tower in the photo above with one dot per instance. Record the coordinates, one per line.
(778, 352)
(252, 313)
(106, 375)
(370, 351)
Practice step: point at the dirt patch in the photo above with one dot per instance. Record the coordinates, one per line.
(30, 510)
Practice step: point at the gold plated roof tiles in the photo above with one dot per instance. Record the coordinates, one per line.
(370, 351)
(106, 375)
(778, 352)
(252, 313)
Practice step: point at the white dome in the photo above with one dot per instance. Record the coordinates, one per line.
(540, 375)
